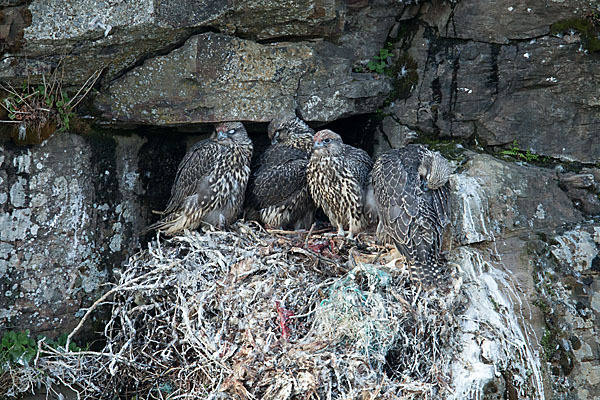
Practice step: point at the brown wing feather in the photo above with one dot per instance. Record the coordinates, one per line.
(276, 184)
(414, 218)
(358, 162)
(195, 166)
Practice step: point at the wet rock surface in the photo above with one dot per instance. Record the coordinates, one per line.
(480, 78)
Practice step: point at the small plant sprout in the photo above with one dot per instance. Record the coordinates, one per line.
(524, 155)
(379, 63)
(43, 109)
(17, 348)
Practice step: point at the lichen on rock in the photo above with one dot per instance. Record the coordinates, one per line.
(53, 258)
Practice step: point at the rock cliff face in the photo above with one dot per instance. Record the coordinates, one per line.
(510, 222)
(66, 220)
(172, 62)
(487, 75)
(497, 72)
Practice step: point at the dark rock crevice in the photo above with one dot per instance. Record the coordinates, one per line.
(494, 79)
(283, 39)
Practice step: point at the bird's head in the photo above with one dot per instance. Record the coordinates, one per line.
(434, 170)
(279, 124)
(327, 141)
(292, 131)
(229, 132)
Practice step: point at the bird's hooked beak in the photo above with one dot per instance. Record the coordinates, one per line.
(221, 135)
(317, 144)
(275, 137)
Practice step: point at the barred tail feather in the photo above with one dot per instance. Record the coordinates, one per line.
(370, 206)
(172, 224)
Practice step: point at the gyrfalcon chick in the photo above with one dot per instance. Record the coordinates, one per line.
(210, 183)
(338, 177)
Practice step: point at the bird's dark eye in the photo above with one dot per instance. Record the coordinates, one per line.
(327, 140)
(231, 131)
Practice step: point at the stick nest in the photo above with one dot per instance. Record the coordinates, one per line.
(248, 314)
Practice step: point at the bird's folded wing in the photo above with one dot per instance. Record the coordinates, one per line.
(196, 164)
(399, 198)
(275, 185)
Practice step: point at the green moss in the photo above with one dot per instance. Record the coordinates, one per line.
(543, 306)
(451, 149)
(553, 352)
(379, 63)
(548, 343)
(494, 304)
(588, 28)
(380, 115)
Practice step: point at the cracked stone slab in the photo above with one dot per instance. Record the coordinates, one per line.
(213, 77)
(116, 35)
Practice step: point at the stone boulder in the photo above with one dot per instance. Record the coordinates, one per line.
(495, 198)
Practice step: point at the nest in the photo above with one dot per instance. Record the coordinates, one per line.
(251, 314)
